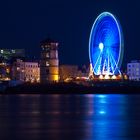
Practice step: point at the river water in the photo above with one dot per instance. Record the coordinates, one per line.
(70, 117)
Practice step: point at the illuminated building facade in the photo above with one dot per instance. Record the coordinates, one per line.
(26, 71)
(133, 70)
(7, 54)
(4, 72)
(49, 64)
(32, 72)
(17, 67)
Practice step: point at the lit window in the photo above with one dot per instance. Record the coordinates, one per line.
(47, 55)
(1, 51)
(13, 51)
(18, 68)
(47, 63)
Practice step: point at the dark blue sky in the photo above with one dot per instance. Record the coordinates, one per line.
(24, 23)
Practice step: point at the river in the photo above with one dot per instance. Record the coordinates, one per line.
(70, 117)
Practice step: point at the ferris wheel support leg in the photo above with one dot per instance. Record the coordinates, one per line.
(103, 72)
(108, 69)
(90, 71)
(97, 61)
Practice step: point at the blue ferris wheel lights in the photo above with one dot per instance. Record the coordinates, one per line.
(106, 45)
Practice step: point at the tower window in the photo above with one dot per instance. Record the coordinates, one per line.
(47, 63)
(47, 55)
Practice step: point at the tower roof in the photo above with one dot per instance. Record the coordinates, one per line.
(48, 41)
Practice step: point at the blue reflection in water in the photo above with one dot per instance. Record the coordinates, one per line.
(101, 102)
(102, 112)
(108, 121)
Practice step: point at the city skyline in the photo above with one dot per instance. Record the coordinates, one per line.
(25, 24)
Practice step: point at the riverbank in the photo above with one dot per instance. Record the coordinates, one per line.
(73, 88)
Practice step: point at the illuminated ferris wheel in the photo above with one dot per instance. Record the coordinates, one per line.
(106, 45)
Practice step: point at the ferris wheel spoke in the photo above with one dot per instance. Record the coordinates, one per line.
(116, 65)
(98, 60)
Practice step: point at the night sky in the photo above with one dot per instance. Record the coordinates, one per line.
(24, 23)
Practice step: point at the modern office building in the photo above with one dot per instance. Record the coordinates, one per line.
(26, 71)
(8, 54)
(133, 70)
(49, 63)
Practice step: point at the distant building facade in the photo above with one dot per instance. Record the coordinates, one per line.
(7, 57)
(26, 71)
(49, 63)
(72, 72)
(7, 54)
(5, 72)
(68, 71)
(133, 70)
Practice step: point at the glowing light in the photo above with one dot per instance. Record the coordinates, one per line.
(101, 96)
(101, 46)
(6, 79)
(107, 76)
(18, 68)
(101, 77)
(102, 112)
(125, 77)
(38, 79)
(114, 77)
(1, 51)
(8, 70)
(55, 78)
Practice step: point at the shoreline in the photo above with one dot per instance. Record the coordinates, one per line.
(73, 88)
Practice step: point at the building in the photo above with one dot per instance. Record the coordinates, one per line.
(26, 71)
(7, 57)
(49, 64)
(133, 70)
(32, 71)
(7, 54)
(68, 71)
(5, 72)
(16, 70)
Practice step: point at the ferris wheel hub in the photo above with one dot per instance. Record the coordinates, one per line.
(101, 46)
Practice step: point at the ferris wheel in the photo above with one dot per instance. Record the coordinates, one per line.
(106, 45)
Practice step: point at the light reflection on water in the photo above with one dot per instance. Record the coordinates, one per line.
(70, 117)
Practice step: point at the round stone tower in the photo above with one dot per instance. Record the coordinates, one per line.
(49, 64)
